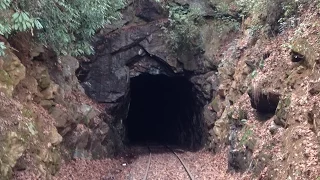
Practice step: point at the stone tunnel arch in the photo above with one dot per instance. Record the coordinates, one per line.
(156, 105)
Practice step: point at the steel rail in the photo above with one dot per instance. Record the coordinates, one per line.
(183, 164)
(148, 166)
(176, 155)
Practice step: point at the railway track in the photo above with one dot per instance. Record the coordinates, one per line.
(175, 154)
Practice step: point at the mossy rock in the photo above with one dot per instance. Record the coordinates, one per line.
(13, 144)
(28, 113)
(44, 82)
(25, 136)
(215, 104)
(12, 71)
(282, 111)
(6, 83)
(51, 158)
(221, 128)
(41, 74)
(302, 47)
(5, 77)
(13, 66)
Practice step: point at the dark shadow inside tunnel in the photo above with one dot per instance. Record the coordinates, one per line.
(164, 110)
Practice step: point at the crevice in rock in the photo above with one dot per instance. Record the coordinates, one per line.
(82, 72)
(264, 102)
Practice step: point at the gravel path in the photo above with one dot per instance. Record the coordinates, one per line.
(164, 166)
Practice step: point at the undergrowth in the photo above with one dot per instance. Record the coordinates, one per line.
(66, 26)
(183, 30)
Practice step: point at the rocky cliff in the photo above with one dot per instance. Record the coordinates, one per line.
(45, 115)
(255, 86)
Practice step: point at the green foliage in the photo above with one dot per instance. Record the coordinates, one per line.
(289, 19)
(254, 73)
(279, 12)
(259, 11)
(2, 48)
(260, 66)
(67, 26)
(13, 19)
(183, 29)
(251, 6)
(23, 22)
(248, 133)
(227, 24)
(261, 63)
(4, 4)
(32, 129)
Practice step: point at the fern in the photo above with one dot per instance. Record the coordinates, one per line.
(70, 24)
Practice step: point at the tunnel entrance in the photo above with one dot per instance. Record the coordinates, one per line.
(163, 110)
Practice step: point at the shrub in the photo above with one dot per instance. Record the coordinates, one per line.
(252, 6)
(12, 18)
(183, 29)
(278, 14)
(66, 26)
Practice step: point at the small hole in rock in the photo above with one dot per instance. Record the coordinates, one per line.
(264, 102)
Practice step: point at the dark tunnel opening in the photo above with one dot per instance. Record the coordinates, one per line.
(163, 110)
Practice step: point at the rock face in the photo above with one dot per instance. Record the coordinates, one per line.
(78, 119)
(120, 51)
(27, 136)
(149, 10)
(50, 117)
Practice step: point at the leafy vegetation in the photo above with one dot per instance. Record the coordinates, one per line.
(280, 14)
(183, 27)
(2, 48)
(251, 6)
(67, 26)
(248, 133)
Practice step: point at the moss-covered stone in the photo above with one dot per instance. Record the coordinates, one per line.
(42, 76)
(25, 134)
(6, 83)
(215, 104)
(282, 111)
(12, 72)
(14, 67)
(221, 128)
(28, 113)
(13, 144)
(302, 47)
(44, 81)
(5, 77)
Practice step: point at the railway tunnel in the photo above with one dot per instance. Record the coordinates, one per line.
(164, 110)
